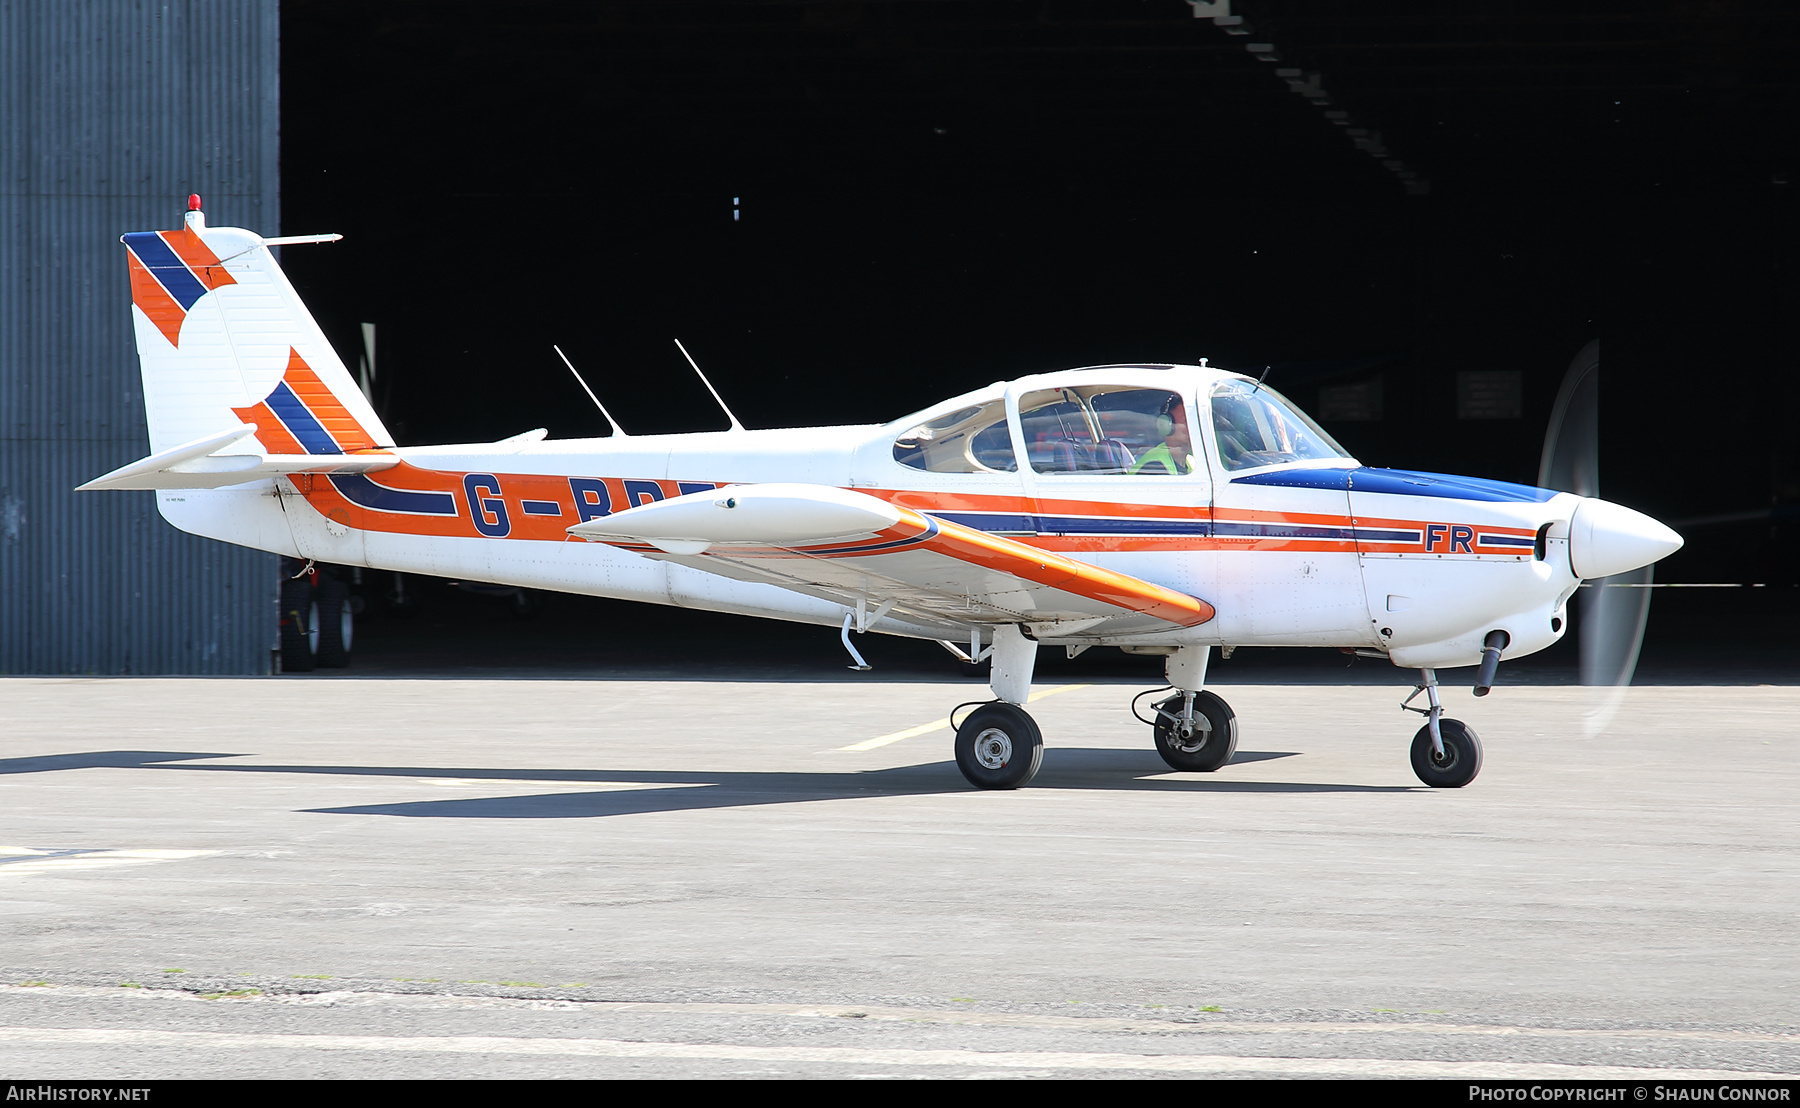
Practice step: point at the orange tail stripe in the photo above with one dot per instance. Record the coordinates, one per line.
(274, 437)
(199, 258)
(154, 301)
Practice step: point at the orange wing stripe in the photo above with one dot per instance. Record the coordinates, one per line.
(1046, 568)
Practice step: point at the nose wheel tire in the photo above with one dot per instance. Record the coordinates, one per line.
(1205, 744)
(1461, 760)
(999, 746)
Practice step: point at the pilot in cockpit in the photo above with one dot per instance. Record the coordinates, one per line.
(1174, 455)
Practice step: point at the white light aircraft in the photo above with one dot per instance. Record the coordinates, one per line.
(1162, 509)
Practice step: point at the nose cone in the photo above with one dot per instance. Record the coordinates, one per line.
(1607, 538)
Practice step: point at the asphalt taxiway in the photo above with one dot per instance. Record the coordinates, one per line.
(631, 877)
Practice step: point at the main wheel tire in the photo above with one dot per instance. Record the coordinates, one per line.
(331, 624)
(296, 612)
(1461, 760)
(999, 746)
(1213, 741)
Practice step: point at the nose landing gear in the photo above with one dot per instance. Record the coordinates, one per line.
(1446, 754)
(1457, 763)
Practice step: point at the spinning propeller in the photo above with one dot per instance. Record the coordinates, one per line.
(1615, 610)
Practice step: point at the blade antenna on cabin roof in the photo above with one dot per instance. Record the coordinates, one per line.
(735, 425)
(617, 430)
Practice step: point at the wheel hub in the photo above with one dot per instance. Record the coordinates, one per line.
(1188, 736)
(993, 748)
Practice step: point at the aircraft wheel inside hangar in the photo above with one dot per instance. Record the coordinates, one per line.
(332, 627)
(1205, 744)
(1461, 760)
(999, 746)
(317, 620)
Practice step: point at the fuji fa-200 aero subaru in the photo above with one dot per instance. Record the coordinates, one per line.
(1162, 509)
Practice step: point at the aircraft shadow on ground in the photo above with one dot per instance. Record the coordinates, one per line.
(102, 759)
(1078, 768)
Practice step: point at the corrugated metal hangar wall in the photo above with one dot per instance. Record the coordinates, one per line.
(112, 114)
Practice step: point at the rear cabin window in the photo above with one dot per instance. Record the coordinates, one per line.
(1115, 429)
(969, 440)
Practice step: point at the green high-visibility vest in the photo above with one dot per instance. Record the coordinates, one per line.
(1161, 455)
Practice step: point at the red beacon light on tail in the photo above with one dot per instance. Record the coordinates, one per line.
(193, 202)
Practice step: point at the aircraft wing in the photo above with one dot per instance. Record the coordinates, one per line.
(852, 548)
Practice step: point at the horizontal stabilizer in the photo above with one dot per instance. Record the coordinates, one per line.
(198, 465)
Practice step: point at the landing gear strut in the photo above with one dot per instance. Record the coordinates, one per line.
(1195, 730)
(1446, 753)
(998, 745)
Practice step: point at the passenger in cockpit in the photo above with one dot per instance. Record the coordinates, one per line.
(1174, 455)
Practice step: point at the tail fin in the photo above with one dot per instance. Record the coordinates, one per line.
(224, 340)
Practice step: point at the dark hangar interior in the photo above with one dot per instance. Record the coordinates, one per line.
(1414, 215)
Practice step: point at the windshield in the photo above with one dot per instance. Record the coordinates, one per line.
(1257, 426)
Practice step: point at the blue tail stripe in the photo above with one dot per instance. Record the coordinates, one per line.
(167, 267)
(299, 421)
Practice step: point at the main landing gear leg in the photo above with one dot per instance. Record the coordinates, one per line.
(998, 745)
(1446, 753)
(1195, 729)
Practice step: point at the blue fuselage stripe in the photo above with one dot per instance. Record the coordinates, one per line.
(991, 521)
(541, 507)
(360, 490)
(1371, 534)
(1401, 482)
(1282, 531)
(167, 267)
(1088, 525)
(1075, 525)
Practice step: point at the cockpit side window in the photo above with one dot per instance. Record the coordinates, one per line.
(1114, 429)
(969, 440)
(1257, 426)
